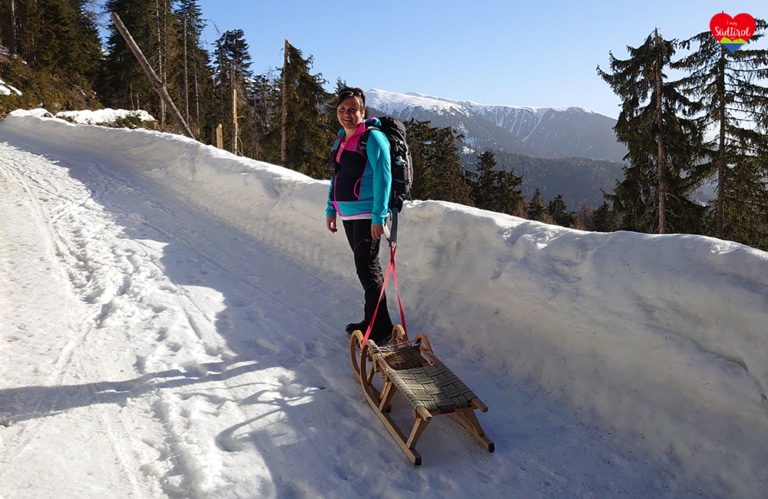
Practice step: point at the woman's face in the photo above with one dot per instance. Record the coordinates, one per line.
(349, 113)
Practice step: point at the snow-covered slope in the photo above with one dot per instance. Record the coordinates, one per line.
(171, 326)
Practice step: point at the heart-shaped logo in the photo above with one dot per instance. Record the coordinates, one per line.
(732, 32)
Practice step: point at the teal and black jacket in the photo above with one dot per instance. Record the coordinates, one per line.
(360, 186)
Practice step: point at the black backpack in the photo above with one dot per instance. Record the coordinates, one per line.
(400, 158)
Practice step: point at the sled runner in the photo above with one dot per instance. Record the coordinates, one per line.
(429, 387)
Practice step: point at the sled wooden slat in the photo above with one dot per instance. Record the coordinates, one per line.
(429, 387)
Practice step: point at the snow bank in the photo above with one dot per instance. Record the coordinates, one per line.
(663, 337)
(103, 116)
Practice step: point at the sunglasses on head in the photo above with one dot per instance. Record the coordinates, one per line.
(351, 92)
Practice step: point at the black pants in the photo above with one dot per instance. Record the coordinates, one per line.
(368, 266)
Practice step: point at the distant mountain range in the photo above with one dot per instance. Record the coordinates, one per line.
(570, 151)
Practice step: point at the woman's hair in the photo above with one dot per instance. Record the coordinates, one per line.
(348, 92)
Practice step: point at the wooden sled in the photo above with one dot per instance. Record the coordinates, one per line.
(431, 389)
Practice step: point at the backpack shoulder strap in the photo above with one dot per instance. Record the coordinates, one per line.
(364, 138)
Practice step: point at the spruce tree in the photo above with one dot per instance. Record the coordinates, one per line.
(58, 36)
(604, 219)
(536, 209)
(663, 142)
(154, 28)
(558, 210)
(195, 76)
(265, 96)
(583, 219)
(437, 169)
(307, 123)
(735, 108)
(483, 181)
(8, 25)
(495, 189)
(59, 52)
(232, 71)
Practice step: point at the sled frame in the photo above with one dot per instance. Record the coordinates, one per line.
(403, 366)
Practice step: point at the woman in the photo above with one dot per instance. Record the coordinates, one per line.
(359, 195)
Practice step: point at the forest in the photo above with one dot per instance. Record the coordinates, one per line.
(708, 127)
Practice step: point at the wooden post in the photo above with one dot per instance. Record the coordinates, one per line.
(219, 137)
(156, 82)
(234, 118)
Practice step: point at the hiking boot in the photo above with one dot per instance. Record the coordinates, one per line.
(356, 326)
(381, 335)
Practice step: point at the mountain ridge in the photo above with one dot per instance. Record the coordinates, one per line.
(546, 132)
(568, 151)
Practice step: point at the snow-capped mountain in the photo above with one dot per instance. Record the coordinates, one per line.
(570, 151)
(540, 132)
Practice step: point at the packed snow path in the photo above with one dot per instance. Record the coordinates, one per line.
(126, 312)
(151, 349)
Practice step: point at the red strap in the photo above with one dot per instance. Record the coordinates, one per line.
(393, 268)
(397, 291)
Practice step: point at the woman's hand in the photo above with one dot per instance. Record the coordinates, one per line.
(330, 222)
(377, 231)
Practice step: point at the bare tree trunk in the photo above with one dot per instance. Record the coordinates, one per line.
(160, 65)
(13, 27)
(284, 139)
(662, 160)
(186, 74)
(156, 82)
(197, 98)
(721, 169)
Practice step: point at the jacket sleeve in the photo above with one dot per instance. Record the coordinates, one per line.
(378, 157)
(330, 210)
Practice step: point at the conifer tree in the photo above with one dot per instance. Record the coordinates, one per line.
(307, 122)
(8, 25)
(536, 209)
(483, 181)
(558, 210)
(510, 195)
(155, 30)
(495, 189)
(195, 76)
(584, 217)
(232, 72)
(604, 219)
(59, 53)
(265, 96)
(663, 142)
(56, 35)
(303, 102)
(746, 209)
(731, 88)
(437, 169)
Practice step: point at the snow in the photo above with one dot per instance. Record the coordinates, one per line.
(393, 102)
(6, 89)
(103, 116)
(522, 121)
(171, 325)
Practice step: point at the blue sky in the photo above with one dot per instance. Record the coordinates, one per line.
(539, 54)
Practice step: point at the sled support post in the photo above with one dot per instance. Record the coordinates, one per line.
(430, 388)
